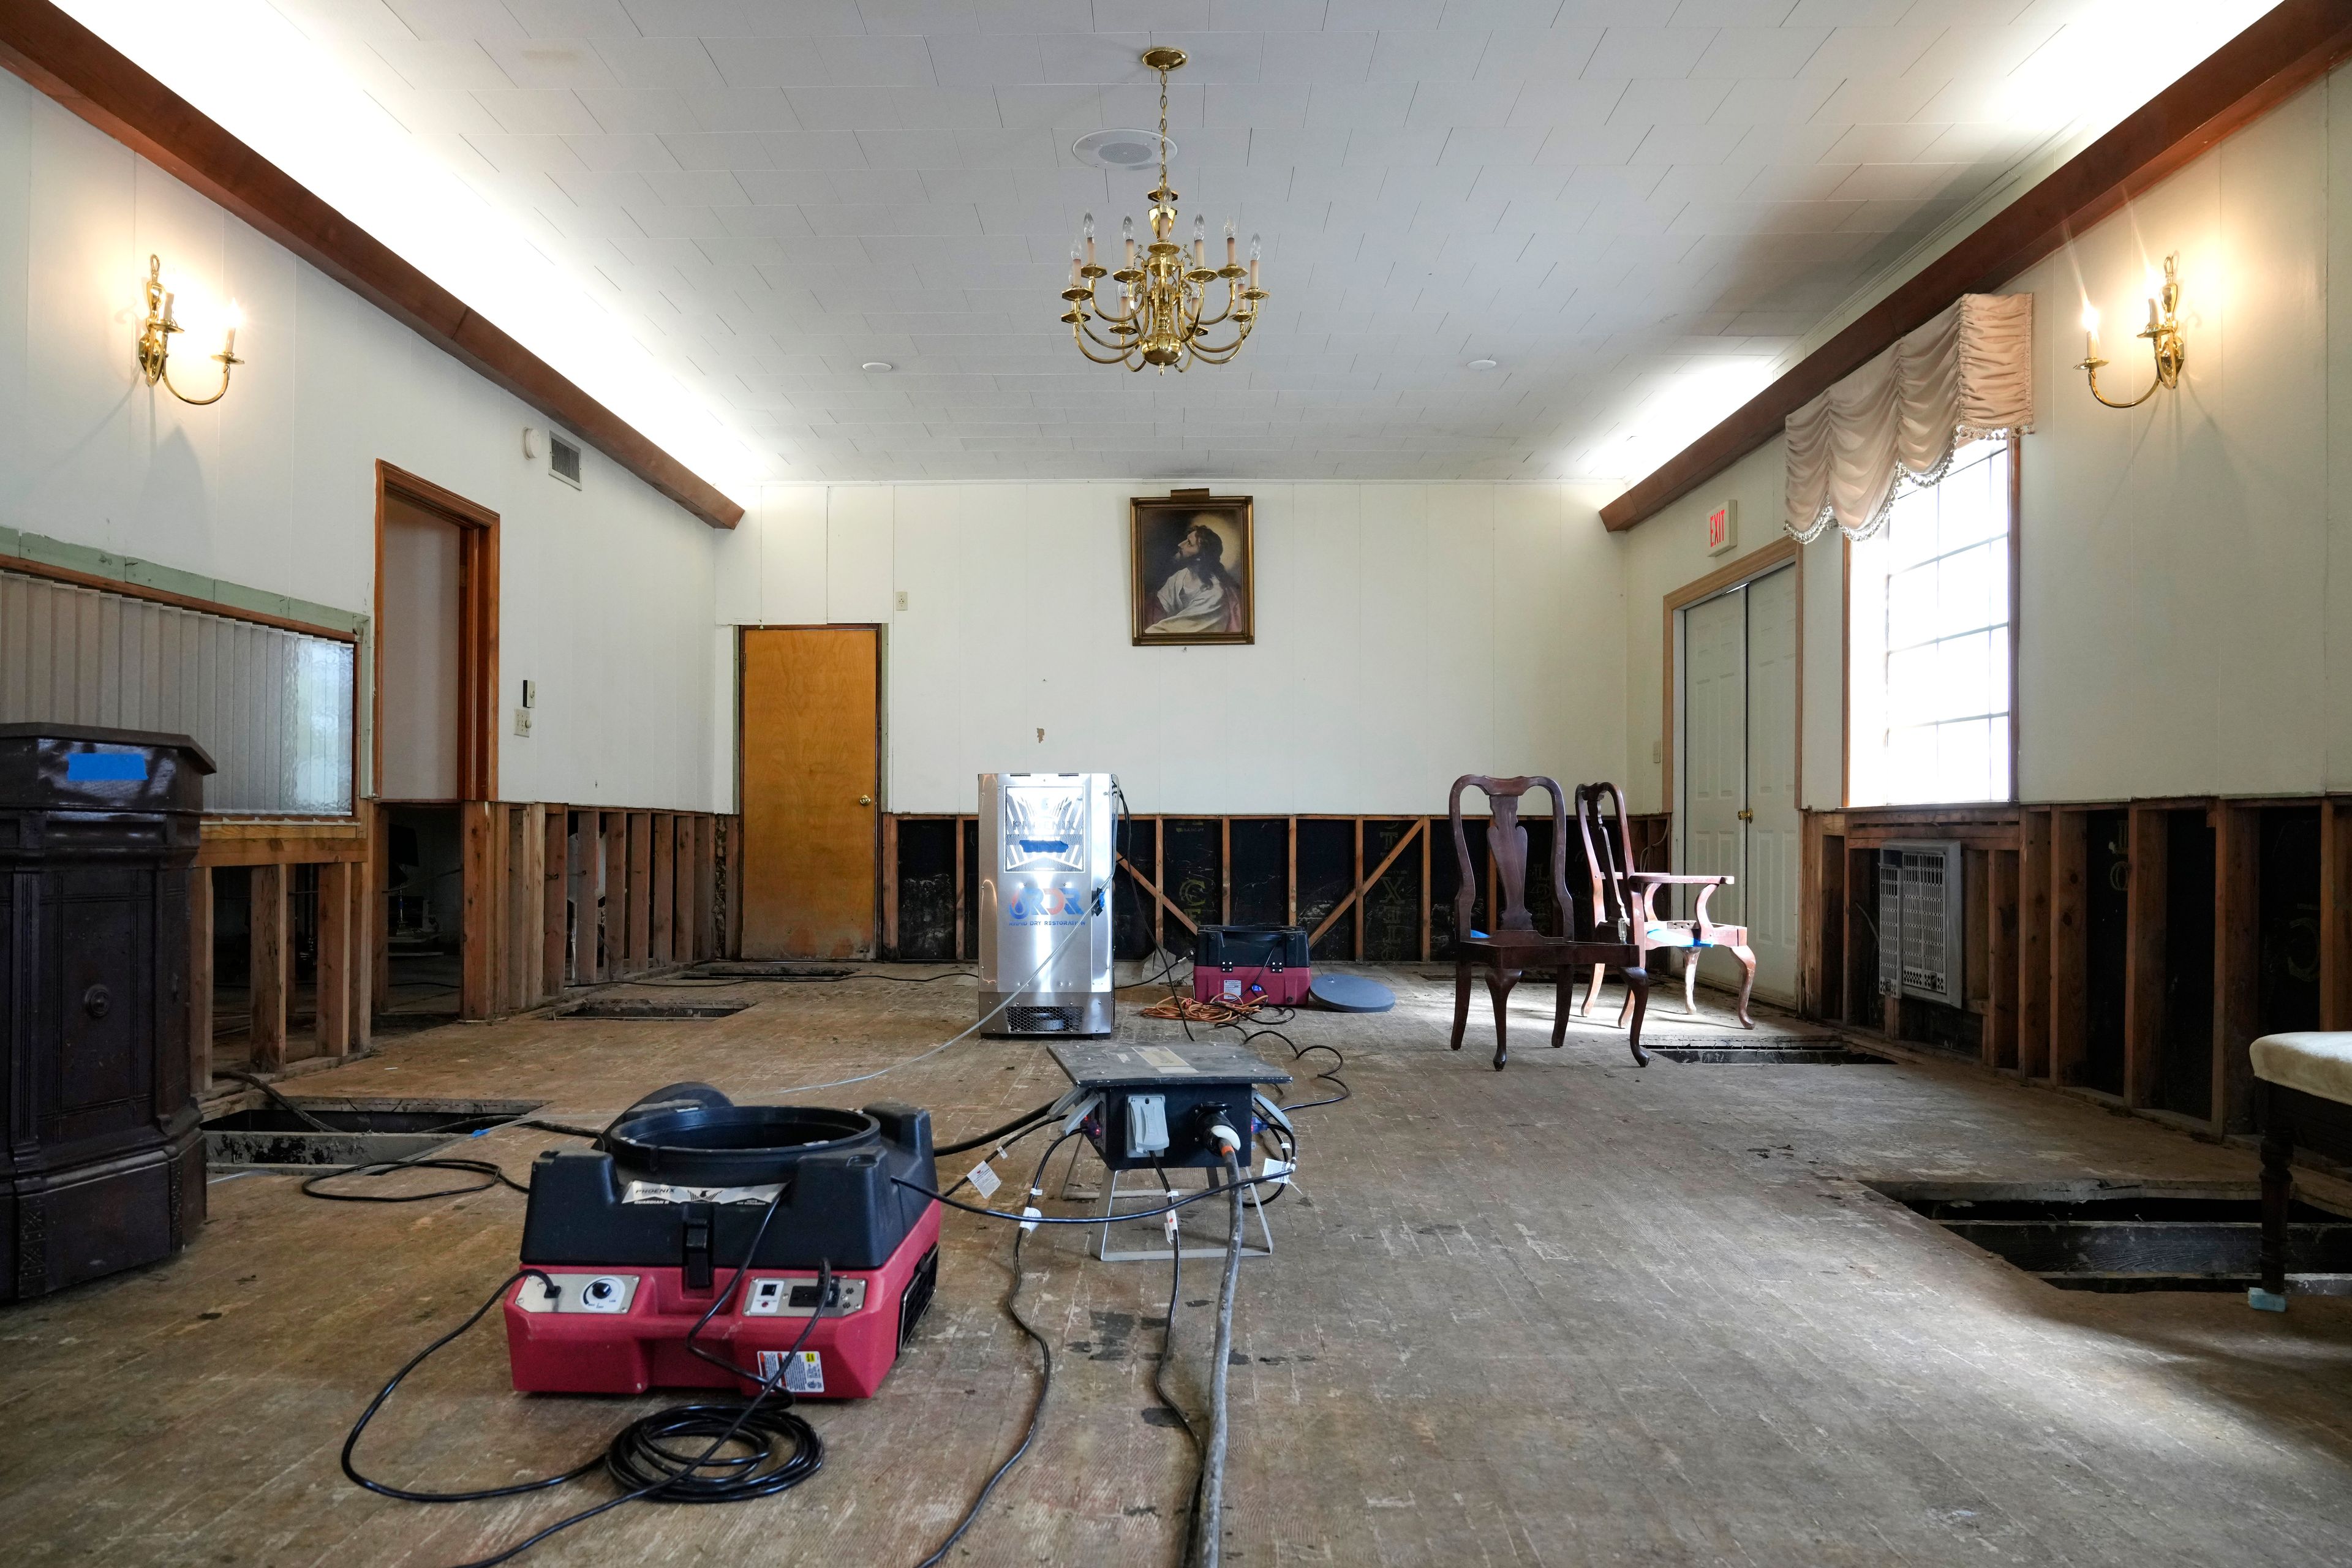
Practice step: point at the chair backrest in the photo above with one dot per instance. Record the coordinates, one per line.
(1506, 841)
(1607, 858)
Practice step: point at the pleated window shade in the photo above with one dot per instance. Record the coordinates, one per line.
(1893, 425)
(274, 707)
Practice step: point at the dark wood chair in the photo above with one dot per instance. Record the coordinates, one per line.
(1636, 919)
(1513, 945)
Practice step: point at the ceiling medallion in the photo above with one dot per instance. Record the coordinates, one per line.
(1161, 317)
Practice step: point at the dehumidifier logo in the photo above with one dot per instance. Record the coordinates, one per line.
(1046, 906)
(1044, 825)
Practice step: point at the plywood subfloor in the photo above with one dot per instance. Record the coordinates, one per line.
(1573, 1313)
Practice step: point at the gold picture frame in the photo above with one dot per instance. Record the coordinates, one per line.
(1192, 569)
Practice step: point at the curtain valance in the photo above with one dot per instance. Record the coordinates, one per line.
(1892, 426)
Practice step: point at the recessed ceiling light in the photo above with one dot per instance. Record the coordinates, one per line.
(1480, 364)
(1120, 149)
(877, 365)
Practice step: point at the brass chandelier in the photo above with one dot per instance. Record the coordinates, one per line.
(1161, 317)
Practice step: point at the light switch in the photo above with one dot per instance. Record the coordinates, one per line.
(902, 598)
(530, 694)
(523, 721)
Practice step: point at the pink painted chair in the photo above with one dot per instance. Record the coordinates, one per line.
(1636, 917)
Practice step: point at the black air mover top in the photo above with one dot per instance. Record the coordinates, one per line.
(726, 1146)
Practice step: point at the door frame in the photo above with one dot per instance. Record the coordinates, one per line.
(478, 635)
(881, 756)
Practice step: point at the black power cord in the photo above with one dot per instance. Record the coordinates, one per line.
(1045, 1371)
(1025, 1118)
(784, 1449)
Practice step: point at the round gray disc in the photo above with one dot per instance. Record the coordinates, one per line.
(1351, 994)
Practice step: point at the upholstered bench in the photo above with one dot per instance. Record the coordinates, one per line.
(2316, 1063)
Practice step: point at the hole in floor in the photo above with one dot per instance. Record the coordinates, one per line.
(2083, 1238)
(1824, 1052)
(731, 969)
(335, 1132)
(645, 1007)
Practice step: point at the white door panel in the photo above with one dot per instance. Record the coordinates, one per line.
(1714, 721)
(1774, 832)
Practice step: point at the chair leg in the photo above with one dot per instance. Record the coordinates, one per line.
(1592, 991)
(1565, 979)
(2278, 1187)
(1625, 1009)
(1461, 999)
(1500, 981)
(1637, 998)
(1690, 980)
(1747, 956)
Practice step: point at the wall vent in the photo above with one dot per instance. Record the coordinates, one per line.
(562, 459)
(1920, 924)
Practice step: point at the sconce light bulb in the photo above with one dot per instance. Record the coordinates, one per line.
(1254, 247)
(1229, 228)
(232, 318)
(1200, 228)
(2090, 317)
(1086, 227)
(1126, 227)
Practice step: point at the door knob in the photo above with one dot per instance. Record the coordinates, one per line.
(865, 800)
(1745, 814)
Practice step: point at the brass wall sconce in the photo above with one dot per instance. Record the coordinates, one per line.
(2163, 335)
(155, 340)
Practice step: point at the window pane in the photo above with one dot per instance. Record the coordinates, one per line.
(1929, 695)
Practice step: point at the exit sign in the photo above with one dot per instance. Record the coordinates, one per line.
(1723, 528)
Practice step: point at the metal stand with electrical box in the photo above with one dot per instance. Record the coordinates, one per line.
(1153, 1108)
(1045, 875)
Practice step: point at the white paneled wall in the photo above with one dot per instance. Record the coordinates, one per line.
(1406, 634)
(605, 590)
(2186, 566)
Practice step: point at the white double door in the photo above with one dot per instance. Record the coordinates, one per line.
(1737, 812)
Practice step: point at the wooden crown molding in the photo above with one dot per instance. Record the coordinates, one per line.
(89, 75)
(2280, 54)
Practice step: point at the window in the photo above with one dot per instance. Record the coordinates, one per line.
(1929, 685)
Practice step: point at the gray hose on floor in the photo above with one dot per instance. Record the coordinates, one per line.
(1212, 1460)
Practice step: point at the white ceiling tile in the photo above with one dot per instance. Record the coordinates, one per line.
(660, 63)
(1510, 146)
(1754, 53)
(441, 63)
(1254, 107)
(1883, 144)
(437, 110)
(1900, 98)
(1690, 143)
(455, 19)
(1567, 102)
(1426, 57)
(1570, 146)
(607, 151)
(1868, 53)
(1267, 16)
(628, 112)
(1774, 103)
(538, 113)
(1550, 56)
(1670, 101)
(1318, 58)
(550, 63)
(1630, 53)
(1903, 182)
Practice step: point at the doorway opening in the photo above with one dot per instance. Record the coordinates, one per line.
(435, 745)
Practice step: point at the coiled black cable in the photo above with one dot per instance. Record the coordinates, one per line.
(785, 1450)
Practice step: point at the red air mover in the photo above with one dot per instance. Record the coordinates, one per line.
(1252, 963)
(639, 1237)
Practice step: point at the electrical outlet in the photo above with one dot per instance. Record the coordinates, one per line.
(1657, 751)
(902, 598)
(523, 721)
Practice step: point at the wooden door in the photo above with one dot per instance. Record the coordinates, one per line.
(1774, 829)
(810, 751)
